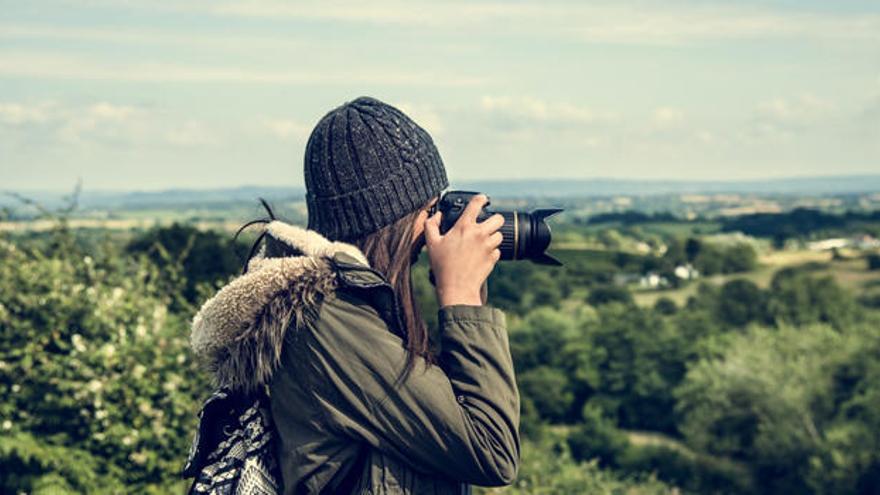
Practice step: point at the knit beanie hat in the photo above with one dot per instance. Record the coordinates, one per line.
(367, 165)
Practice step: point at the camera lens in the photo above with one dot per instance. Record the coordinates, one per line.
(527, 236)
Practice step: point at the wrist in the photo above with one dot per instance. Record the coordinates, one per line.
(446, 297)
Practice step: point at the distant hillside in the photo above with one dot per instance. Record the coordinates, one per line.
(496, 188)
(626, 187)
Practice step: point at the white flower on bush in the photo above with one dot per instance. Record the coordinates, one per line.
(101, 414)
(16, 388)
(94, 385)
(7, 425)
(139, 457)
(78, 343)
(138, 371)
(108, 350)
(159, 314)
(127, 440)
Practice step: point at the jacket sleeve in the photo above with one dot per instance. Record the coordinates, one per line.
(460, 420)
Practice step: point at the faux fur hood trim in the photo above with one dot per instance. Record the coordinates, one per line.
(239, 332)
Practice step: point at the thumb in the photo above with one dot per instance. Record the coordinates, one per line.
(432, 229)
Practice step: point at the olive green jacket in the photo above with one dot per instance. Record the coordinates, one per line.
(321, 330)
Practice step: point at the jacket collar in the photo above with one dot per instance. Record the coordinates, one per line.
(239, 331)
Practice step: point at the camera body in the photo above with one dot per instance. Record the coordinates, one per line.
(525, 235)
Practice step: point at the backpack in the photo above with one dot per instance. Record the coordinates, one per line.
(233, 450)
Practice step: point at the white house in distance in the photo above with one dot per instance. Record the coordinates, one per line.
(858, 242)
(686, 272)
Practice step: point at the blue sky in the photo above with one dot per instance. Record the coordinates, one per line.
(147, 94)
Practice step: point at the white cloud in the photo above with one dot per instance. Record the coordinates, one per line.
(427, 116)
(783, 118)
(99, 124)
(101, 121)
(285, 129)
(652, 23)
(19, 114)
(706, 137)
(802, 109)
(158, 37)
(55, 66)
(606, 22)
(523, 112)
(190, 133)
(667, 118)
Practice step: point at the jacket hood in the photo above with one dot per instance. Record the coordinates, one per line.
(239, 332)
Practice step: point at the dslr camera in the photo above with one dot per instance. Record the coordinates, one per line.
(525, 235)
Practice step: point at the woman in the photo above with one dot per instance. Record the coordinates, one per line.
(325, 319)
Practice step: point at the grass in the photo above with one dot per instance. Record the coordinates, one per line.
(851, 273)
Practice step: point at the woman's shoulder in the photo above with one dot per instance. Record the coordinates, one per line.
(362, 293)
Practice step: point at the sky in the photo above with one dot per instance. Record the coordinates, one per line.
(154, 94)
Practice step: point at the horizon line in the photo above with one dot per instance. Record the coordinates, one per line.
(466, 181)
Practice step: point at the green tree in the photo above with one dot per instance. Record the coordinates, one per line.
(202, 256)
(798, 297)
(98, 388)
(710, 260)
(606, 294)
(741, 302)
(796, 404)
(739, 258)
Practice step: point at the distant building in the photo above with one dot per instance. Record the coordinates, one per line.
(653, 281)
(865, 242)
(626, 278)
(828, 244)
(686, 272)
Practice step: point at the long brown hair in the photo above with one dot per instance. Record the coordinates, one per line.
(389, 251)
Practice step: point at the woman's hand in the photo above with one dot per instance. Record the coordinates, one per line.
(464, 257)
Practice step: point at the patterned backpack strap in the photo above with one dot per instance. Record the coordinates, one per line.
(233, 449)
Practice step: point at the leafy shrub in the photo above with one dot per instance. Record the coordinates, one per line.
(607, 294)
(697, 474)
(798, 404)
(797, 297)
(201, 256)
(873, 260)
(99, 391)
(547, 468)
(741, 302)
(597, 437)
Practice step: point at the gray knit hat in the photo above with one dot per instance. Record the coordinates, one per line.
(367, 165)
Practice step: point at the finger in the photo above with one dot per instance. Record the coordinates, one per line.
(492, 223)
(472, 210)
(432, 229)
(495, 240)
(496, 254)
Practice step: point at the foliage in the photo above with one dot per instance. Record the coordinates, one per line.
(748, 389)
(98, 385)
(201, 257)
(797, 297)
(873, 261)
(547, 468)
(798, 404)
